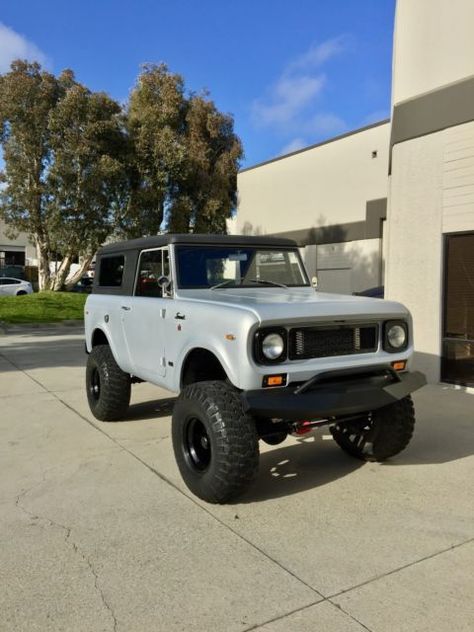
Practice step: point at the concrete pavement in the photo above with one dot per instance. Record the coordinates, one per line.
(98, 531)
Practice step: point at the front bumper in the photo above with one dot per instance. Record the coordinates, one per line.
(334, 394)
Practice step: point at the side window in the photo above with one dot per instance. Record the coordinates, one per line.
(153, 264)
(111, 271)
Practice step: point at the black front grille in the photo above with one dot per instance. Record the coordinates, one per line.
(327, 341)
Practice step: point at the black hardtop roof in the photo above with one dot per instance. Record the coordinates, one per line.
(192, 238)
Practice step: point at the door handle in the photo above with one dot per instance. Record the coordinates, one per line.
(126, 308)
(180, 316)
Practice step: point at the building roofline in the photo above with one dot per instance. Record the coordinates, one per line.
(320, 144)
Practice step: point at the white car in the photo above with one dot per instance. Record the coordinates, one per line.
(14, 287)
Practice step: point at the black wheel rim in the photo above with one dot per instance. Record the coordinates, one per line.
(197, 444)
(94, 386)
(358, 436)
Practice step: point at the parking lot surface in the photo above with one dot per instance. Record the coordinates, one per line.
(98, 532)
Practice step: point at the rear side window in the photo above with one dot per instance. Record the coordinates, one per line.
(111, 271)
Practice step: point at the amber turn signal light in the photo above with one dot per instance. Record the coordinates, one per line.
(274, 380)
(399, 365)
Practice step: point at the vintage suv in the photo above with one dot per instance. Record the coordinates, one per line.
(234, 325)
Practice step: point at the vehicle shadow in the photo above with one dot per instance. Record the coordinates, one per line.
(153, 409)
(293, 468)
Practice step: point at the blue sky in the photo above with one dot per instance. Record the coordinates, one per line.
(291, 72)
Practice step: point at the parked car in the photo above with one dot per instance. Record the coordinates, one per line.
(84, 286)
(14, 287)
(372, 292)
(233, 325)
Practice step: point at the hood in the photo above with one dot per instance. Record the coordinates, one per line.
(272, 305)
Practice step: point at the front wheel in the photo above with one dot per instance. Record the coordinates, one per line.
(108, 387)
(215, 443)
(379, 435)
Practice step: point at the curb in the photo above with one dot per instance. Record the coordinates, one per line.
(7, 328)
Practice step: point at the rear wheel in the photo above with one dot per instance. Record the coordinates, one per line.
(108, 387)
(215, 443)
(21, 293)
(380, 434)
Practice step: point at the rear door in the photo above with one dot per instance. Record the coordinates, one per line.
(144, 315)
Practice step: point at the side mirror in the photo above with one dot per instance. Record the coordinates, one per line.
(164, 283)
(314, 282)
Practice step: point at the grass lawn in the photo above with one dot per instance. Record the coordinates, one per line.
(42, 307)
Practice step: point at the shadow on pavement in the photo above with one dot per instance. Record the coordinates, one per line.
(43, 351)
(154, 409)
(291, 469)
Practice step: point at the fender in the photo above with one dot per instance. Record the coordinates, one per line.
(225, 362)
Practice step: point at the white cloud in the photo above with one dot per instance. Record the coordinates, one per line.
(16, 46)
(326, 124)
(289, 103)
(293, 145)
(318, 54)
(289, 96)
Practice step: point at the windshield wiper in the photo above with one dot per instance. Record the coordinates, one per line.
(265, 281)
(222, 284)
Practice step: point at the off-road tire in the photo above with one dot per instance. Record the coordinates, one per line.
(227, 461)
(382, 434)
(110, 402)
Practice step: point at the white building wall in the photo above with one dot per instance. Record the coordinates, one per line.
(323, 186)
(433, 45)
(431, 193)
(20, 242)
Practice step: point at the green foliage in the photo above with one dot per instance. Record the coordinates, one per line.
(42, 307)
(80, 169)
(186, 154)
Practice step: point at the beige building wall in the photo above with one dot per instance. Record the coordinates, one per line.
(318, 196)
(316, 187)
(431, 188)
(20, 243)
(433, 45)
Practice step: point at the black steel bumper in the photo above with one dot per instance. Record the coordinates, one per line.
(334, 394)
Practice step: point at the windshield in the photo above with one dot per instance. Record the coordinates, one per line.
(234, 266)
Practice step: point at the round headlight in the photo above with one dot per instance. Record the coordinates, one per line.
(396, 336)
(273, 346)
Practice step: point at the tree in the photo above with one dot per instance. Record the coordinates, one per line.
(185, 156)
(155, 121)
(27, 97)
(206, 191)
(65, 177)
(87, 177)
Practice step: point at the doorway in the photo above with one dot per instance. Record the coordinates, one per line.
(457, 363)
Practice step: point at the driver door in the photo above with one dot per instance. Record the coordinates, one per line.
(144, 315)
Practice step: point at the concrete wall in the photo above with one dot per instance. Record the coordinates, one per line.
(21, 242)
(326, 185)
(431, 188)
(431, 193)
(433, 45)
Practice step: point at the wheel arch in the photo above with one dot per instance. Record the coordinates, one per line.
(99, 337)
(200, 365)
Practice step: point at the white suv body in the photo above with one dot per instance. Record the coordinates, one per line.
(184, 310)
